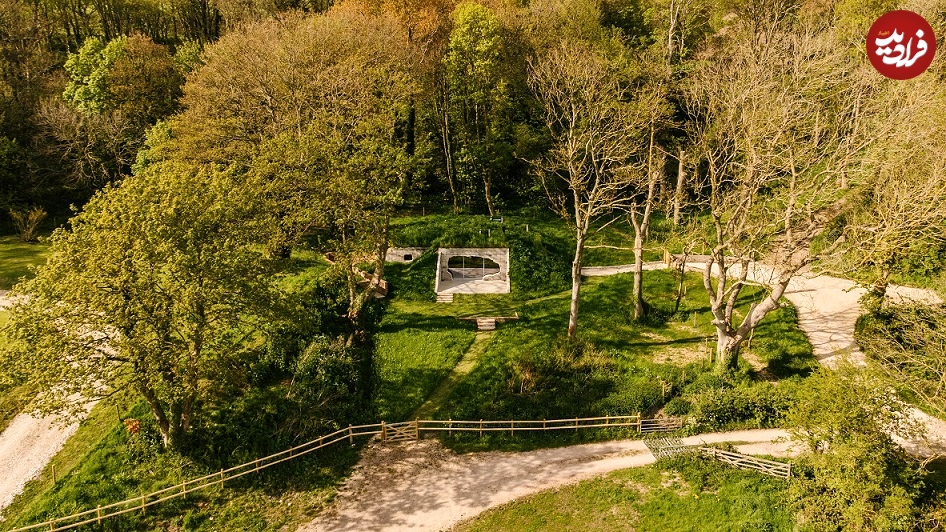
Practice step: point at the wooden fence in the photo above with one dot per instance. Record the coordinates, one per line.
(387, 432)
(742, 461)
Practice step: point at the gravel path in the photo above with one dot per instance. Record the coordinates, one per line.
(421, 486)
(27, 445)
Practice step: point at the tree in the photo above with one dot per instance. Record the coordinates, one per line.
(478, 95)
(594, 132)
(909, 345)
(774, 125)
(309, 109)
(116, 91)
(901, 210)
(153, 290)
(854, 475)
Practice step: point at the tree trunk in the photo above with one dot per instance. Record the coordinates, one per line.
(678, 194)
(638, 275)
(727, 350)
(164, 425)
(680, 285)
(576, 285)
(487, 184)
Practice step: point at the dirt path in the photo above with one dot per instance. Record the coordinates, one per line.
(463, 367)
(27, 445)
(421, 486)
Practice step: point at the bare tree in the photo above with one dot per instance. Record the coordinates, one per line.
(642, 207)
(773, 126)
(593, 133)
(903, 203)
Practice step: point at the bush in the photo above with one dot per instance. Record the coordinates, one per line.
(677, 407)
(27, 221)
(748, 404)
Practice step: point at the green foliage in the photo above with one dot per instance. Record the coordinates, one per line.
(746, 404)
(188, 57)
(854, 477)
(687, 493)
(88, 73)
(908, 343)
(477, 80)
(153, 285)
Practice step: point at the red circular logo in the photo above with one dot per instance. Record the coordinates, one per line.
(901, 44)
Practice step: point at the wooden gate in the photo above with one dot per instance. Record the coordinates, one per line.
(403, 431)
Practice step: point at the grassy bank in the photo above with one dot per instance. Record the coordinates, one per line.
(16, 258)
(684, 494)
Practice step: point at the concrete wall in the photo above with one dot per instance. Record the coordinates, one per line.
(401, 254)
(498, 255)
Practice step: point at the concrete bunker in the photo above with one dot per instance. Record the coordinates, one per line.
(472, 271)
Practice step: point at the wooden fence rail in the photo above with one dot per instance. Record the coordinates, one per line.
(742, 461)
(388, 432)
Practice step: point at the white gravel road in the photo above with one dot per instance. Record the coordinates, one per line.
(421, 486)
(27, 445)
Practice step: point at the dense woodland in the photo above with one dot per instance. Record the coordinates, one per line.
(200, 146)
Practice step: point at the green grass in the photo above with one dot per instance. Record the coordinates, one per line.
(527, 370)
(274, 499)
(415, 352)
(16, 258)
(686, 494)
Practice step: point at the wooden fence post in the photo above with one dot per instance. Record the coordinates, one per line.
(576, 424)
(142, 503)
(98, 514)
(416, 428)
(351, 437)
(481, 428)
(384, 432)
(184, 487)
(450, 427)
(221, 479)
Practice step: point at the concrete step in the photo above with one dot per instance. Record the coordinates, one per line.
(485, 324)
(444, 298)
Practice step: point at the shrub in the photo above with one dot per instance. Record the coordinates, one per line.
(754, 404)
(27, 221)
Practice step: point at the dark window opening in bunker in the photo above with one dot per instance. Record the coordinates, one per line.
(463, 267)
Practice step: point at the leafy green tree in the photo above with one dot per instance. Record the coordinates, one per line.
(88, 74)
(478, 96)
(309, 108)
(154, 290)
(131, 75)
(854, 477)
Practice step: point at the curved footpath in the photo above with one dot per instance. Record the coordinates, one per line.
(27, 445)
(421, 486)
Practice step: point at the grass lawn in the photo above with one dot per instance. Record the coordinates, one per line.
(686, 494)
(527, 371)
(274, 499)
(16, 257)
